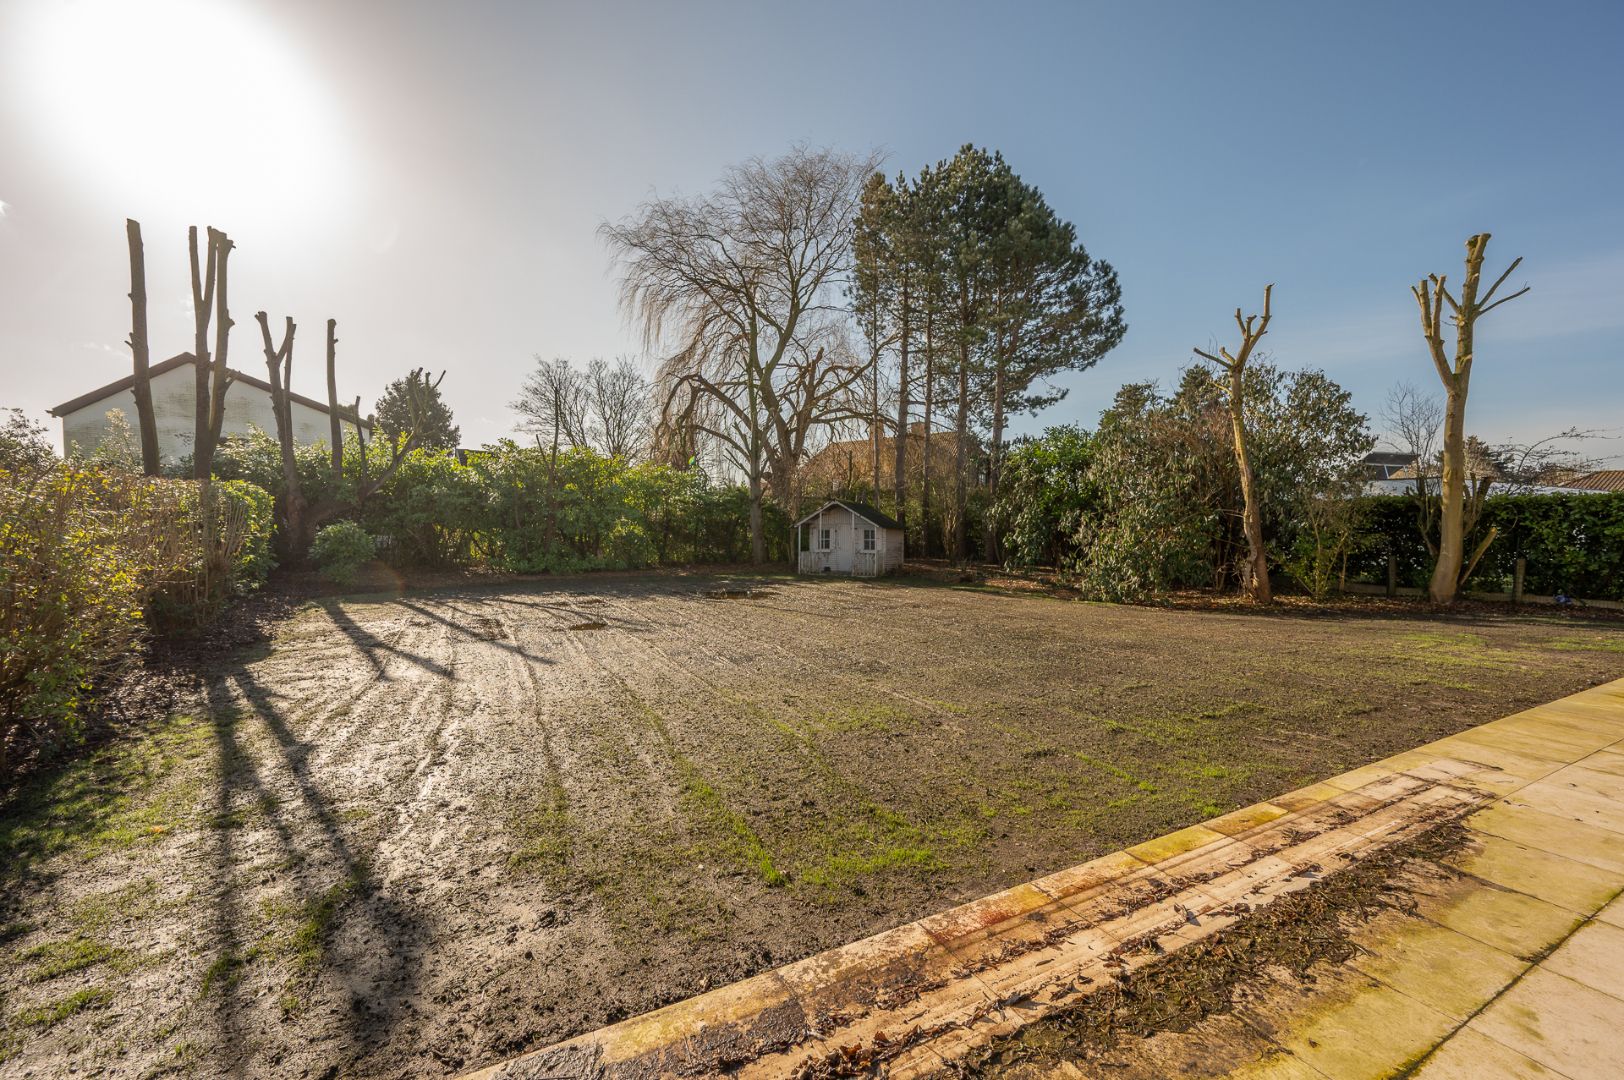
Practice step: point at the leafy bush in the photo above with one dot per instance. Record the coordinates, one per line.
(1045, 494)
(92, 558)
(341, 549)
(1166, 499)
(72, 583)
(211, 553)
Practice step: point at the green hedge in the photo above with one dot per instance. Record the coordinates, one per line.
(92, 559)
(516, 508)
(1574, 544)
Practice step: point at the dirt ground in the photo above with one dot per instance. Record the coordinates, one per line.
(420, 832)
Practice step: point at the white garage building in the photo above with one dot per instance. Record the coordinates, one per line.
(849, 538)
(174, 396)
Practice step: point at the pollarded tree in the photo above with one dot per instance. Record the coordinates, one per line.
(300, 517)
(1431, 295)
(1252, 329)
(213, 377)
(141, 388)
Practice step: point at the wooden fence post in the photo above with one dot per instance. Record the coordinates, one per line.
(1517, 576)
(1392, 574)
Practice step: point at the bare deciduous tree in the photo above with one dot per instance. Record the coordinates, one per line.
(740, 289)
(1549, 461)
(1252, 328)
(142, 388)
(1414, 422)
(621, 408)
(1452, 567)
(555, 401)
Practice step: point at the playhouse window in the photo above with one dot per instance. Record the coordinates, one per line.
(820, 538)
(868, 539)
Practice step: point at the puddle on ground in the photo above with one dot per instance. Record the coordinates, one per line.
(737, 592)
(589, 626)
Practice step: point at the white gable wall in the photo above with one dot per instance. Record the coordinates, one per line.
(845, 550)
(173, 397)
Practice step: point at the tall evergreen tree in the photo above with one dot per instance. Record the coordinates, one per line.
(432, 420)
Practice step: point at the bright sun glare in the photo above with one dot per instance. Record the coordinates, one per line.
(191, 107)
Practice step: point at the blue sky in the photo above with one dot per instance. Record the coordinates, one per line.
(433, 175)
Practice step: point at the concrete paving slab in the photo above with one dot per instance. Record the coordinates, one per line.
(1594, 956)
(1577, 886)
(1588, 844)
(1562, 1024)
(1468, 1055)
(1410, 958)
(1367, 1036)
(1608, 761)
(1565, 799)
(1502, 918)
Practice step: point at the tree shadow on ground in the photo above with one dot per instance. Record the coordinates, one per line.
(331, 884)
(370, 645)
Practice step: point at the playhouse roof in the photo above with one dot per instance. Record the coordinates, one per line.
(862, 510)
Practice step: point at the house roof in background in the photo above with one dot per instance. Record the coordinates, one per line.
(1601, 480)
(862, 510)
(1388, 457)
(181, 360)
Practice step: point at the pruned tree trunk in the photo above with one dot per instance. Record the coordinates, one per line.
(334, 421)
(300, 519)
(1451, 568)
(146, 422)
(220, 374)
(210, 374)
(1252, 328)
(1252, 512)
(202, 311)
(279, 362)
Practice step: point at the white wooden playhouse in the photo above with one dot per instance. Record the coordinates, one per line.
(848, 538)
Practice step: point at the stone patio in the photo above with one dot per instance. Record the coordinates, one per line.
(1515, 969)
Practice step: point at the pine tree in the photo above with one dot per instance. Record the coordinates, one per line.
(394, 416)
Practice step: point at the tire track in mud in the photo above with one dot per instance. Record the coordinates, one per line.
(803, 789)
(932, 799)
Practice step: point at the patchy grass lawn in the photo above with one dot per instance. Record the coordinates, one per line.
(421, 832)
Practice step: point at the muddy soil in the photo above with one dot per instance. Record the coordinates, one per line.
(417, 833)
